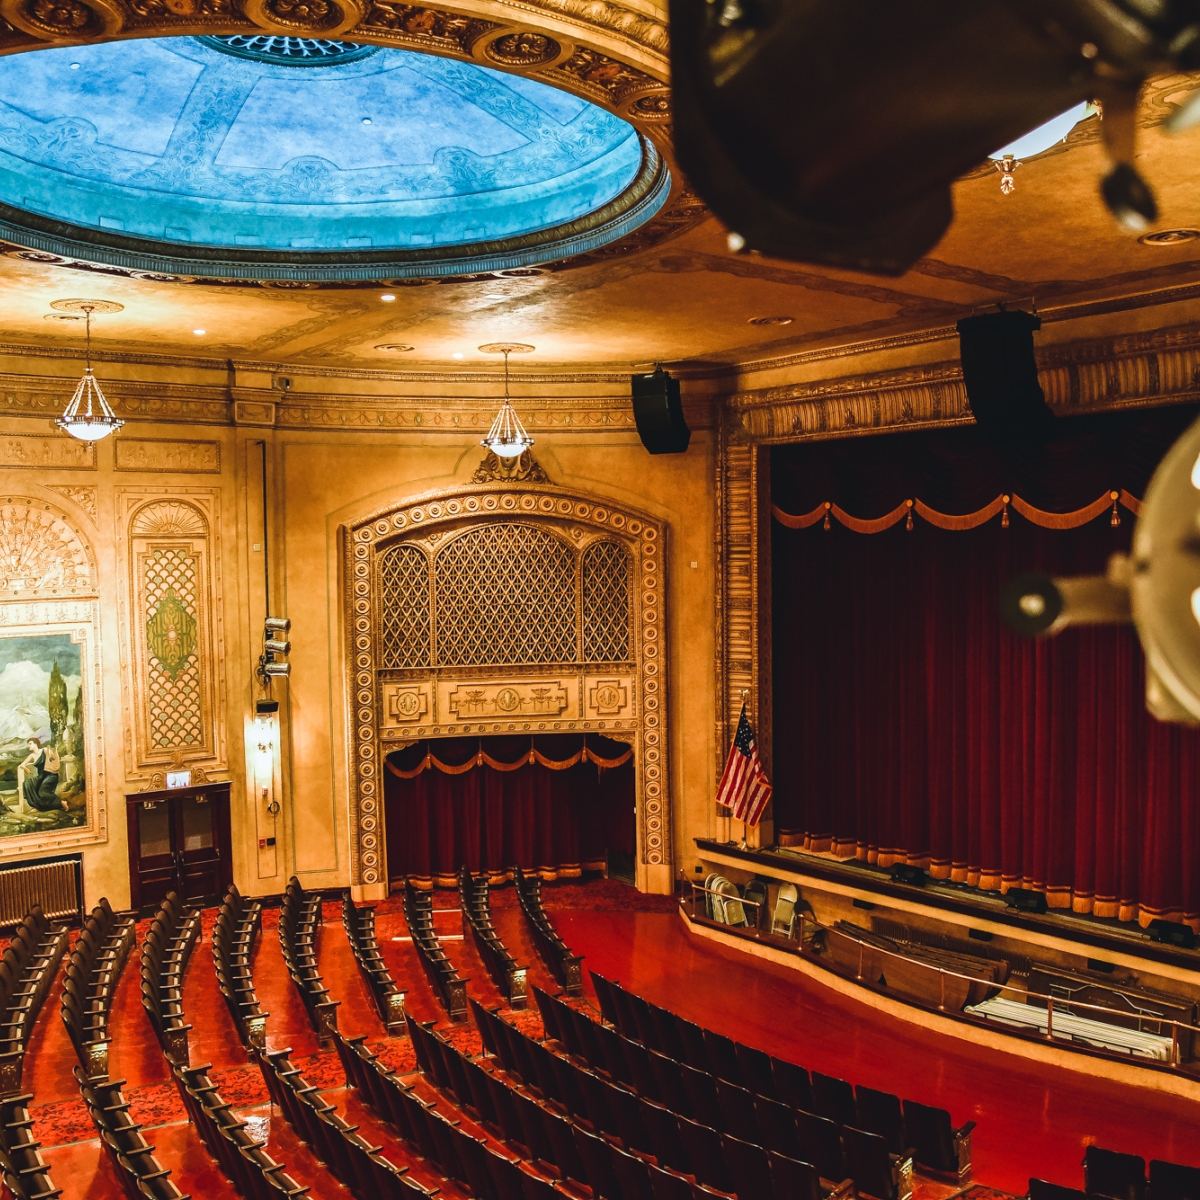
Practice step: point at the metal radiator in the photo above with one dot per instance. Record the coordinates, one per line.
(53, 884)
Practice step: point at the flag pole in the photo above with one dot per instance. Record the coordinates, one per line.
(745, 694)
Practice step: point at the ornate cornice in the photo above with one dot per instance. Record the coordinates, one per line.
(1156, 367)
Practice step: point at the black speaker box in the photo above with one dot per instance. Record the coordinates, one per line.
(1001, 379)
(1172, 933)
(659, 413)
(913, 876)
(1025, 900)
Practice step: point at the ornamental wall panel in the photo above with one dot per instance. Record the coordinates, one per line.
(502, 609)
(171, 633)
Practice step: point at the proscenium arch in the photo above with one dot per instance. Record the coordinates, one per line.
(630, 706)
(609, 55)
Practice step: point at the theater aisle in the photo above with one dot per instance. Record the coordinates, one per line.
(1033, 1120)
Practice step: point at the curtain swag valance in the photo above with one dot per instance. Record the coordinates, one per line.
(605, 755)
(960, 521)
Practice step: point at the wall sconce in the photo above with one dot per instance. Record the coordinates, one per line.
(264, 747)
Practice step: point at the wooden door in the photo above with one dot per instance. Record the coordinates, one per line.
(179, 841)
(199, 860)
(152, 854)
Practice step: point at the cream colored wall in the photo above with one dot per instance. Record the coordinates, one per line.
(317, 480)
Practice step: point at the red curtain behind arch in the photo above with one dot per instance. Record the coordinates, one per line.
(559, 814)
(909, 725)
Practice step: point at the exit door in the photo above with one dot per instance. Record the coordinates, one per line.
(179, 842)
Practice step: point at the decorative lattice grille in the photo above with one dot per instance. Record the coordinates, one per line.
(505, 595)
(404, 607)
(176, 710)
(605, 603)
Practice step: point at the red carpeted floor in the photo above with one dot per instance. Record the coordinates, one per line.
(1032, 1120)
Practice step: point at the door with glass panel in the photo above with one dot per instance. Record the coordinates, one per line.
(179, 842)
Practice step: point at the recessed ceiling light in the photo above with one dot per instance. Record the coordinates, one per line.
(458, 354)
(1169, 237)
(395, 347)
(771, 320)
(388, 297)
(366, 120)
(199, 332)
(74, 66)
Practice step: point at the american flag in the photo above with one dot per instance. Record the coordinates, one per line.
(744, 787)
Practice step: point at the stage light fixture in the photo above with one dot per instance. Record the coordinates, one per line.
(276, 648)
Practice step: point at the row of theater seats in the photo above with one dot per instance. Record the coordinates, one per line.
(446, 982)
(360, 930)
(246, 1164)
(300, 921)
(24, 1171)
(564, 965)
(238, 923)
(92, 973)
(1116, 1176)
(165, 953)
(27, 969)
(710, 1153)
(352, 1159)
(504, 969)
(745, 1077)
(141, 1174)
(461, 1156)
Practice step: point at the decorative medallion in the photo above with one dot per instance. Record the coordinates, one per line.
(524, 469)
(523, 50)
(304, 14)
(67, 18)
(171, 634)
(654, 107)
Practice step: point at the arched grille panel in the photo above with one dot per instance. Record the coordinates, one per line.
(505, 595)
(404, 607)
(606, 603)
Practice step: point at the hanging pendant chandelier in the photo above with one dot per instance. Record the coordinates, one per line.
(507, 437)
(88, 416)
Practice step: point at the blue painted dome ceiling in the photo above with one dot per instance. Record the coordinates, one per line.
(205, 142)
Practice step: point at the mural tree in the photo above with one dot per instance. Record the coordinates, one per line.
(57, 705)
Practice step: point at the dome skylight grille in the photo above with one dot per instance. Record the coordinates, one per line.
(290, 51)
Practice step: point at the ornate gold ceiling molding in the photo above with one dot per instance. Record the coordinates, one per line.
(1156, 367)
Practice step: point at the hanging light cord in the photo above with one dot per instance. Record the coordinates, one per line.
(506, 354)
(87, 316)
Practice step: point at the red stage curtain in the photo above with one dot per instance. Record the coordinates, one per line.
(910, 726)
(555, 804)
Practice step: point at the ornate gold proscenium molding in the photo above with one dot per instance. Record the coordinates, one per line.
(392, 703)
(1157, 367)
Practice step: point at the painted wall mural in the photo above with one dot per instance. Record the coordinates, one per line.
(51, 741)
(43, 774)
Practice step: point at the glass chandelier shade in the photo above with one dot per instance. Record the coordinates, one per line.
(507, 437)
(89, 416)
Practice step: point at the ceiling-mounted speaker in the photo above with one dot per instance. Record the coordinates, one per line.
(659, 413)
(1000, 375)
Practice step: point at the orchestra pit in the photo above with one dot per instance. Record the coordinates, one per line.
(599, 600)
